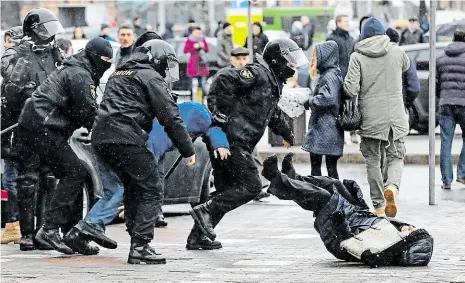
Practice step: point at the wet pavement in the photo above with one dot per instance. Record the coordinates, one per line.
(266, 242)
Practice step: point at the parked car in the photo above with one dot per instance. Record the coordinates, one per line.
(418, 113)
(184, 85)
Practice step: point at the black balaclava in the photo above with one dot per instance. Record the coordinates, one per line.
(281, 70)
(94, 49)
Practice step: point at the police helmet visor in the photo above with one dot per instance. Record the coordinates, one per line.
(295, 57)
(172, 70)
(48, 29)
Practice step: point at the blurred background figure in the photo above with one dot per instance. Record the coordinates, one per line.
(218, 28)
(308, 30)
(79, 33)
(138, 29)
(126, 39)
(168, 31)
(412, 34)
(298, 36)
(148, 28)
(105, 32)
(225, 45)
(66, 47)
(259, 39)
(190, 27)
(344, 41)
(197, 68)
(239, 57)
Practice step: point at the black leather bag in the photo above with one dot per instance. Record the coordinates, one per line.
(349, 117)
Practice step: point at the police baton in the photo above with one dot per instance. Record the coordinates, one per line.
(175, 164)
(9, 128)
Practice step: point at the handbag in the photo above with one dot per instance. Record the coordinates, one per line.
(349, 117)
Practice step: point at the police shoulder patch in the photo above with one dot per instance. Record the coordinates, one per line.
(93, 91)
(246, 74)
(123, 73)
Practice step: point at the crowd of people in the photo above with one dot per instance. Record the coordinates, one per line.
(51, 93)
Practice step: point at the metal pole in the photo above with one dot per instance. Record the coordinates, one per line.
(432, 101)
(249, 28)
(9, 128)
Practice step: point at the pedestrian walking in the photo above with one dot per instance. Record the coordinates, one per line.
(259, 39)
(297, 34)
(105, 32)
(78, 33)
(246, 102)
(138, 29)
(325, 138)
(126, 39)
(375, 77)
(344, 42)
(197, 67)
(225, 45)
(450, 68)
(413, 34)
(137, 93)
(308, 30)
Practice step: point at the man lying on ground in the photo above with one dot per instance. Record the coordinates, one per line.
(348, 229)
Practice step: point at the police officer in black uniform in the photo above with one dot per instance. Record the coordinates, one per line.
(136, 93)
(65, 102)
(246, 102)
(30, 63)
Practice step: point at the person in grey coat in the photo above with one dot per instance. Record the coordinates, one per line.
(225, 45)
(375, 76)
(325, 137)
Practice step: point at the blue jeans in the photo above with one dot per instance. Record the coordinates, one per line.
(449, 117)
(106, 209)
(10, 172)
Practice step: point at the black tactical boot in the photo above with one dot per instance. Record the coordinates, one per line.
(198, 241)
(160, 221)
(270, 167)
(287, 167)
(53, 238)
(97, 236)
(203, 218)
(142, 252)
(26, 202)
(79, 243)
(27, 243)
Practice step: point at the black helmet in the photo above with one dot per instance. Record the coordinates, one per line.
(284, 57)
(41, 25)
(163, 58)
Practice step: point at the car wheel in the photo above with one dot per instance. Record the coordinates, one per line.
(208, 185)
(88, 197)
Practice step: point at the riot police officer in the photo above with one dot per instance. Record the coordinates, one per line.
(65, 102)
(245, 103)
(136, 93)
(30, 63)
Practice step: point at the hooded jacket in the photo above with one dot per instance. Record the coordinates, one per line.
(134, 96)
(248, 98)
(375, 76)
(450, 75)
(345, 44)
(198, 121)
(66, 101)
(325, 136)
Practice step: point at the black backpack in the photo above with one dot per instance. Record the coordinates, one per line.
(349, 117)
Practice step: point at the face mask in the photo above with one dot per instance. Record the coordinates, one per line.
(287, 73)
(98, 65)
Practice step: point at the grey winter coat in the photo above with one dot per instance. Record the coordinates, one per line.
(450, 75)
(375, 76)
(325, 136)
(224, 48)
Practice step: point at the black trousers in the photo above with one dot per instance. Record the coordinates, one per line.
(310, 192)
(136, 167)
(51, 149)
(331, 165)
(237, 181)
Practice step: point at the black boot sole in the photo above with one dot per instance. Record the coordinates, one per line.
(75, 247)
(99, 241)
(146, 261)
(27, 248)
(161, 224)
(41, 241)
(200, 224)
(194, 247)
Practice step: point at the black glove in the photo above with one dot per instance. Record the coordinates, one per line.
(220, 119)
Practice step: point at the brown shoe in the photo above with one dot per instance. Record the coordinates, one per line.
(12, 233)
(380, 212)
(390, 194)
(461, 180)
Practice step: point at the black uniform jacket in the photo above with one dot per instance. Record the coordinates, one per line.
(134, 96)
(248, 97)
(66, 101)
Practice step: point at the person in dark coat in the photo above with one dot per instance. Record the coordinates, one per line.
(224, 45)
(66, 101)
(450, 91)
(245, 103)
(137, 93)
(126, 39)
(325, 137)
(413, 34)
(218, 28)
(341, 214)
(168, 31)
(344, 41)
(259, 39)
